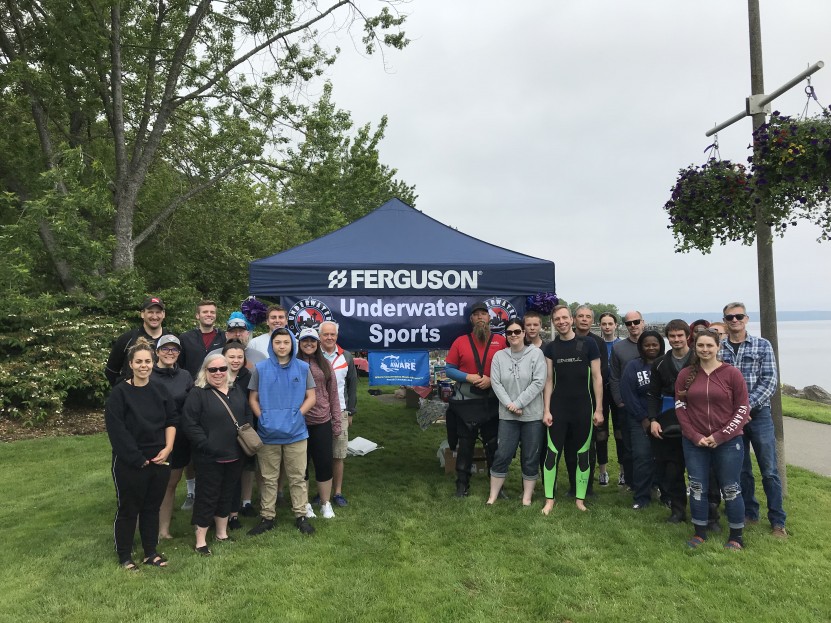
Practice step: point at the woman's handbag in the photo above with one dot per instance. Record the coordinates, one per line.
(247, 437)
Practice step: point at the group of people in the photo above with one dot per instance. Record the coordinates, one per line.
(177, 404)
(697, 409)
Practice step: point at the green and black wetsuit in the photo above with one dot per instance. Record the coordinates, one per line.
(572, 408)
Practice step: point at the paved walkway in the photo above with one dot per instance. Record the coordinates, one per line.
(808, 445)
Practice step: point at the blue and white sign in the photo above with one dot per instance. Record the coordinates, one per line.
(398, 322)
(399, 368)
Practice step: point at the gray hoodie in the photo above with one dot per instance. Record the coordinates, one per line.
(519, 378)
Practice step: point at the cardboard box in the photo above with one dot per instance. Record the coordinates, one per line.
(480, 463)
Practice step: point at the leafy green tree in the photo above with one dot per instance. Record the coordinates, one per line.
(122, 113)
(597, 308)
(329, 180)
(337, 178)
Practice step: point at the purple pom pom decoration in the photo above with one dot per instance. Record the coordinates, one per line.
(253, 310)
(542, 302)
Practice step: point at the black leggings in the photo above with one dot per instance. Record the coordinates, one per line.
(139, 493)
(570, 434)
(319, 450)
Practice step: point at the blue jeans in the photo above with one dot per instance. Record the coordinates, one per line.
(726, 459)
(513, 433)
(643, 462)
(758, 433)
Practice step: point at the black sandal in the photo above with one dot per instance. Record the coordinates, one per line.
(129, 565)
(204, 551)
(156, 560)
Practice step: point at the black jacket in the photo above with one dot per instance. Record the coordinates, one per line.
(194, 351)
(205, 421)
(661, 384)
(177, 381)
(118, 368)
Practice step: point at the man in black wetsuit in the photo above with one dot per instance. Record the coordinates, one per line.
(570, 408)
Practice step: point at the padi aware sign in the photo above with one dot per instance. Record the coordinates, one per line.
(381, 279)
(398, 322)
(399, 368)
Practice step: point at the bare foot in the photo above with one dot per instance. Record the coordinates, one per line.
(526, 502)
(165, 536)
(490, 501)
(549, 505)
(581, 506)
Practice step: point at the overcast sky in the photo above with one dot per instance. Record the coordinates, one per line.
(557, 129)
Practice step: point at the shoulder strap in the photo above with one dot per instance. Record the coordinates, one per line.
(227, 408)
(479, 362)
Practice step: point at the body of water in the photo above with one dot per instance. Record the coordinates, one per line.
(801, 358)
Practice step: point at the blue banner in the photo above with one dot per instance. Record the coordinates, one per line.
(398, 322)
(399, 368)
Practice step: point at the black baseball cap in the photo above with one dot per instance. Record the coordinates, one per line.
(152, 301)
(479, 306)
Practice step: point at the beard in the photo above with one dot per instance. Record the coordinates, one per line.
(481, 332)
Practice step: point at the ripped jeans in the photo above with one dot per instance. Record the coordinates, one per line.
(726, 460)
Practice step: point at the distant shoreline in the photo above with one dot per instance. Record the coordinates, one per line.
(781, 316)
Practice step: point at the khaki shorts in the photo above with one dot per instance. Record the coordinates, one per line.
(342, 441)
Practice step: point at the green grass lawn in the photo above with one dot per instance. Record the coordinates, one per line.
(403, 550)
(806, 410)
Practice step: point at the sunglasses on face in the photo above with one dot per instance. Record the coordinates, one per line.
(632, 323)
(513, 332)
(731, 317)
(217, 369)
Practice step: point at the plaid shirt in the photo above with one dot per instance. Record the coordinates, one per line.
(756, 362)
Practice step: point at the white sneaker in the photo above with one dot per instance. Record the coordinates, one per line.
(326, 511)
(310, 514)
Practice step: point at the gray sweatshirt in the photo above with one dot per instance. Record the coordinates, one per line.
(519, 378)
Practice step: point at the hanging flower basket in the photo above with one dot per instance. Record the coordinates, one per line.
(792, 165)
(789, 179)
(711, 202)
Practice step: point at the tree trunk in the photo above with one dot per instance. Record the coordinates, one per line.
(62, 269)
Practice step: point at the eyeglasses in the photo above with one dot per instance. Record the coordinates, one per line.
(513, 332)
(217, 369)
(731, 317)
(169, 350)
(631, 323)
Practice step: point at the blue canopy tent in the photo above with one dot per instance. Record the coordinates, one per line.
(398, 279)
(400, 239)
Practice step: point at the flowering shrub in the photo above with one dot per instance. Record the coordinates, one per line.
(788, 180)
(54, 348)
(52, 356)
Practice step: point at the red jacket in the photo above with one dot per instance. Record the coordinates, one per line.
(716, 404)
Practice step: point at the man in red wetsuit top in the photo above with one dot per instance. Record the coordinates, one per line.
(473, 402)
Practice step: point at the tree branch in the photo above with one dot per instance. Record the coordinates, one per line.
(181, 199)
(265, 44)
